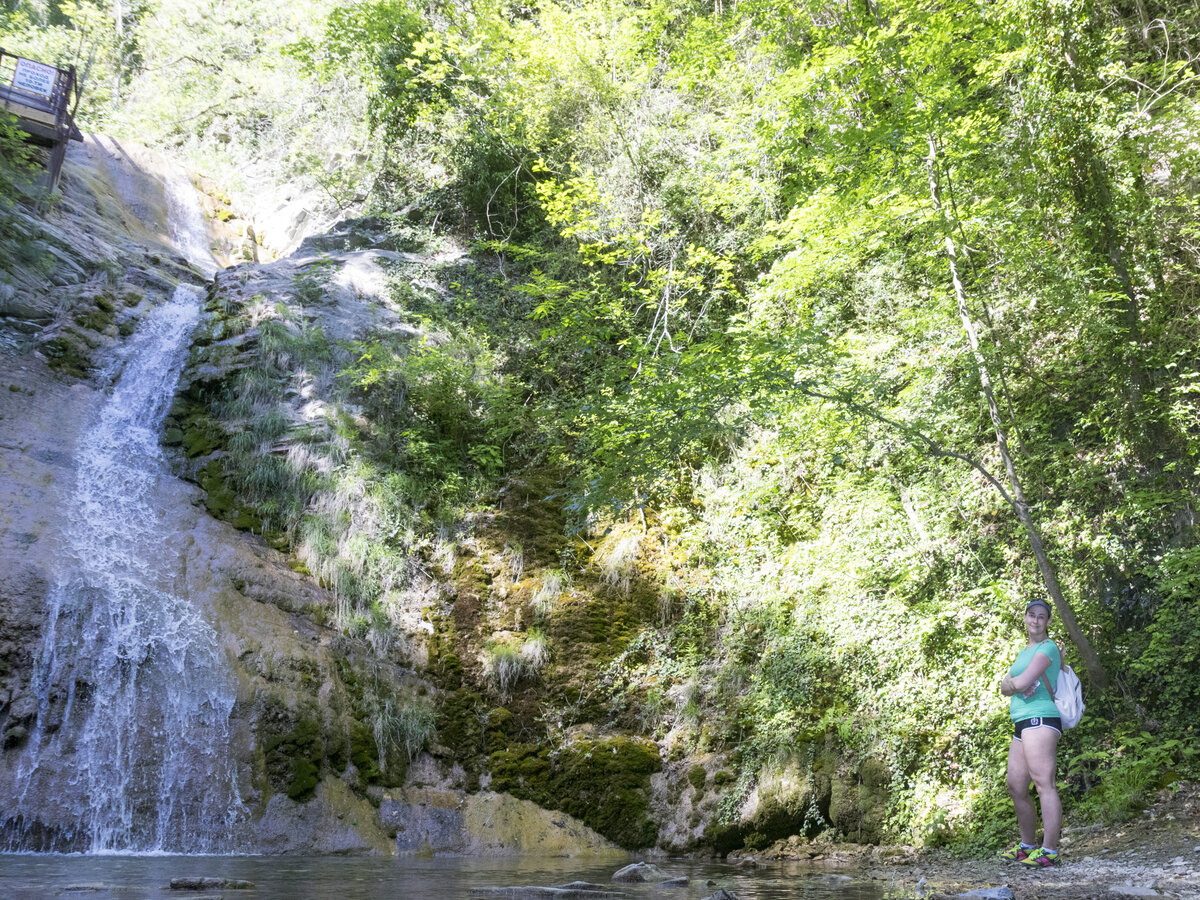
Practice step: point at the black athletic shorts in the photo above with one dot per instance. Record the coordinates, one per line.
(1037, 722)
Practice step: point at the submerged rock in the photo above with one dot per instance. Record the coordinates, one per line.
(204, 883)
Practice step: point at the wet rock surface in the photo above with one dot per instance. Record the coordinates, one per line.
(640, 873)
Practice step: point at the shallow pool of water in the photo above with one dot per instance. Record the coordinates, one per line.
(35, 877)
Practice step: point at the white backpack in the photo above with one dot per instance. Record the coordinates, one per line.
(1068, 697)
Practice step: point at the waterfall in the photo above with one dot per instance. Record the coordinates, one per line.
(133, 698)
(185, 221)
(130, 747)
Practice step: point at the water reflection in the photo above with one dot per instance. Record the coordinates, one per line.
(30, 877)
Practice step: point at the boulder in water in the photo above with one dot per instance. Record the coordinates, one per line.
(639, 873)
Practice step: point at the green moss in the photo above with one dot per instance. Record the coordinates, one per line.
(723, 838)
(458, 723)
(444, 664)
(605, 783)
(294, 749)
(697, 776)
(68, 356)
(98, 317)
(722, 778)
(220, 500)
(497, 729)
(201, 436)
(363, 752)
(523, 770)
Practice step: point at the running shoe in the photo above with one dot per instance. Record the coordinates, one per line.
(1041, 858)
(1016, 853)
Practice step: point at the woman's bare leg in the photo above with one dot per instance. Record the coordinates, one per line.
(1018, 788)
(1040, 746)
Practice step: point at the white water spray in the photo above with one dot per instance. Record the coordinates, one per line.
(185, 220)
(133, 696)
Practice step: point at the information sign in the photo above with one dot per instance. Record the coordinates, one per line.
(35, 77)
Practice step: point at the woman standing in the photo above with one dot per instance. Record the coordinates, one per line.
(1036, 730)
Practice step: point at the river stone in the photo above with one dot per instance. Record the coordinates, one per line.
(582, 886)
(722, 894)
(203, 883)
(639, 873)
(681, 881)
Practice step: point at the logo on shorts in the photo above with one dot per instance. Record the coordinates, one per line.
(1035, 722)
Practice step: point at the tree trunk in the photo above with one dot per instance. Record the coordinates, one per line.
(1091, 660)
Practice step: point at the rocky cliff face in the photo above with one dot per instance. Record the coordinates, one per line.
(387, 690)
(310, 732)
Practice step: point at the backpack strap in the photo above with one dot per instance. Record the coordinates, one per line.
(1046, 674)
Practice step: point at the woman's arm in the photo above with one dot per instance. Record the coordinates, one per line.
(1020, 684)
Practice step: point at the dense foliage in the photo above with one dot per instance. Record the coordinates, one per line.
(757, 271)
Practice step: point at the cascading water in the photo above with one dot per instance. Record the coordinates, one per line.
(129, 750)
(131, 737)
(185, 220)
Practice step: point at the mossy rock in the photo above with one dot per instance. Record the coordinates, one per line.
(444, 664)
(294, 749)
(778, 818)
(723, 838)
(219, 499)
(458, 723)
(605, 783)
(201, 436)
(497, 729)
(70, 357)
(363, 752)
(697, 776)
(221, 502)
(523, 770)
(99, 317)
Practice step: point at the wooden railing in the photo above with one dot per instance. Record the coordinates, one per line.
(44, 99)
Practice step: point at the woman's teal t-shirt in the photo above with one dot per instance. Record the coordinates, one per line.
(1041, 703)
